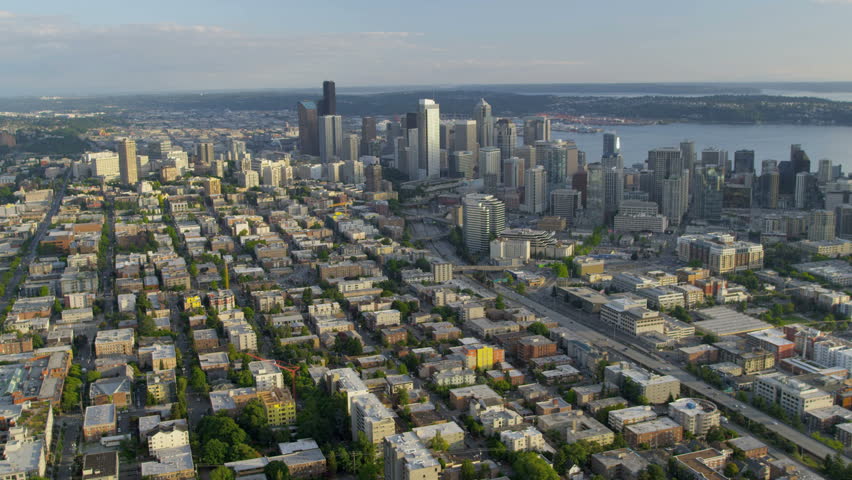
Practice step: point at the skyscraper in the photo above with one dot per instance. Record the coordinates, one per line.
(350, 143)
(127, 161)
(675, 198)
(308, 118)
(536, 128)
(614, 160)
(204, 153)
(489, 166)
(483, 216)
(328, 104)
(411, 166)
(465, 135)
(368, 134)
(554, 159)
(237, 149)
(768, 187)
(707, 202)
(506, 137)
(800, 160)
(821, 225)
(373, 173)
(744, 161)
(429, 129)
(535, 191)
(580, 182)
(787, 178)
(448, 137)
(513, 172)
(330, 134)
(613, 190)
(611, 144)
(159, 150)
(715, 157)
(527, 154)
(462, 164)
(595, 193)
(687, 154)
(825, 171)
(665, 162)
(572, 157)
(565, 202)
(484, 123)
(807, 191)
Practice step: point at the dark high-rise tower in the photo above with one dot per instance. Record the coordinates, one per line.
(328, 104)
(373, 178)
(800, 160)
(368, 134)
(611, 144)
(308, 139)
(204, 153)
(744, 161)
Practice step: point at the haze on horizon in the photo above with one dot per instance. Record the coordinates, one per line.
(54, 47)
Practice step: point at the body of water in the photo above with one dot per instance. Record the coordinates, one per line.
(767, 141)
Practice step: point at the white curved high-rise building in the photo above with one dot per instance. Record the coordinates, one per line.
(483, 217)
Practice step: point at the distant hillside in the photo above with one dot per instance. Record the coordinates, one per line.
(705, 109)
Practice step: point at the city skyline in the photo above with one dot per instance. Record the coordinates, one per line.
(57, 49)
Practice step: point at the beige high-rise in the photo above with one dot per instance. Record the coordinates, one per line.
(127, 161)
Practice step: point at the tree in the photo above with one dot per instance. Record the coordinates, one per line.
(308, 296)
(468, 471)
(253, 419)
(276, 470)
(576, 453)
(438, 443)
(570, 396)
(198, 380)
(214, 452)
(529, 465)
(241, 451)
(653, 472)
(222, 473)
(43, 291)
(402, 369)
(331, 463)
(560, 270)
(538, 328)
(499, 303)
(222, 428)
(731, 470)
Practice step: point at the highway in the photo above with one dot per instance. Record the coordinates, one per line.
(659, 365)
(23, 268)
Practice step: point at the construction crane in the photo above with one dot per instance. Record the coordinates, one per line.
(293, 371)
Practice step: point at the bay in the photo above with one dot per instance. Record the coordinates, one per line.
(767, 141)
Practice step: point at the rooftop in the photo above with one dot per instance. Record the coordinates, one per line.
(97, 415)
(723, 321)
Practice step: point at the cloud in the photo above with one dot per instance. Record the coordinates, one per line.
(49, 54)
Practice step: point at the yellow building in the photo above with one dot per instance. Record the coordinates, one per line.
(484, 357)
(191, 302)
(279, 405)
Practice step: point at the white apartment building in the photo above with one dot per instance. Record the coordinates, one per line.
(372, 418)
(526, 440)
(267, 375)
(695, 415)
(630, 315)
(794, 396)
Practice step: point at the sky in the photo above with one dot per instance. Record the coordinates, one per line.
(58, 47)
